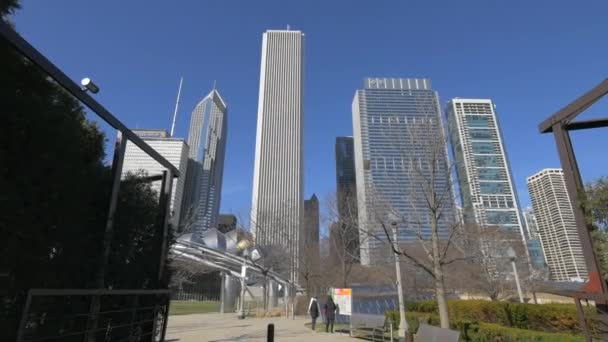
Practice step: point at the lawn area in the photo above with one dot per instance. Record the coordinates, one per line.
(186, 307)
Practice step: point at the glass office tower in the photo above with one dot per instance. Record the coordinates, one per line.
(397, 126)
(207, 141)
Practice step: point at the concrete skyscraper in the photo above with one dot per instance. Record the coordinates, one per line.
(556, 226)
(398, 141)
(277, 204)
(207, 141)
(174, 150)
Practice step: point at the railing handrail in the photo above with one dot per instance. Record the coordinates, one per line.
(97, 292)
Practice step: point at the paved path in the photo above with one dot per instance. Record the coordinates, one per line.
(214, 327)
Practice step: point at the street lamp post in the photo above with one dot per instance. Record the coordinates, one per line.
(254, 255)
(512, 258)
(403, 327)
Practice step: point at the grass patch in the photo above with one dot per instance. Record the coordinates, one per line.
(187, 307)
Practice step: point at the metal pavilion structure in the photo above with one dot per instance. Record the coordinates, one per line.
(242, 268)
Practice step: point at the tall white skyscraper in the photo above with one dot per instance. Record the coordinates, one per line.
(556, 226)
(278, 181)
(207, 141)
(174, 150)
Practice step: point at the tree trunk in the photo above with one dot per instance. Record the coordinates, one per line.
(442, 302)
(344, 275)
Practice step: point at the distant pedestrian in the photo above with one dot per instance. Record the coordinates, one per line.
(330, 314)
(313, 310)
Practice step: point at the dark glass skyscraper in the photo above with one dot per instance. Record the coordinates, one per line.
(346, 192)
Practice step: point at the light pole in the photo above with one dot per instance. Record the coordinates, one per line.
(403, 328)
(512, 257)
(254, 255)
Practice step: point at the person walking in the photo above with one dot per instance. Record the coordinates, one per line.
(330, 314)
(313, 310)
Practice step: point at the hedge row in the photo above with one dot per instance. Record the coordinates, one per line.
(495, 332)
(542, 317)
(478, 332)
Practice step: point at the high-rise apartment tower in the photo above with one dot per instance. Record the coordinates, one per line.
(556, 226)
(485, 181)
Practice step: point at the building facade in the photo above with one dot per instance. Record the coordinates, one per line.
(531, 225)
(556, 226)
(484, 176)
(397, 125)
(277, 205)
(346, 195)
(310, 259)
(207, 141)
(174, 150)
(535, 248)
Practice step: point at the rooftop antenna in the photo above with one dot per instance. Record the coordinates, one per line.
(179, 92)
(214, 84)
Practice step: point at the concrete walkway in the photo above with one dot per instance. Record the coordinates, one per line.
(214, 327)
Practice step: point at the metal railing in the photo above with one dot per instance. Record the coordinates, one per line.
(65, 315)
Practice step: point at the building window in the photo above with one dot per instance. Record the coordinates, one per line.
(481, 134)
(483, 147)
(489, 174)
(494, 188)
(478, 121)
(500, 217)
(487, 161)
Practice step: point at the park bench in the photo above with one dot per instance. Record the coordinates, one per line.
(429, 333)
(371, 325)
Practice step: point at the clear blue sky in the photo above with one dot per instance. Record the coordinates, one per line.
(530, 57)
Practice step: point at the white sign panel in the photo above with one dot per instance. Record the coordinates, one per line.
(343, 299)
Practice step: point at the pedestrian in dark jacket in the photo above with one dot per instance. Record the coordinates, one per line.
(330, 314)
(313, 310)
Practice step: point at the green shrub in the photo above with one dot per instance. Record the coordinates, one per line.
(542, 317)
(494, 332)
(478, 332)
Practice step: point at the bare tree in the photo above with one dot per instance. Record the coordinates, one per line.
(183, 272)
(429, 221)
(489, 271)
(309, 269)
(342, 216)
(276, 249)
